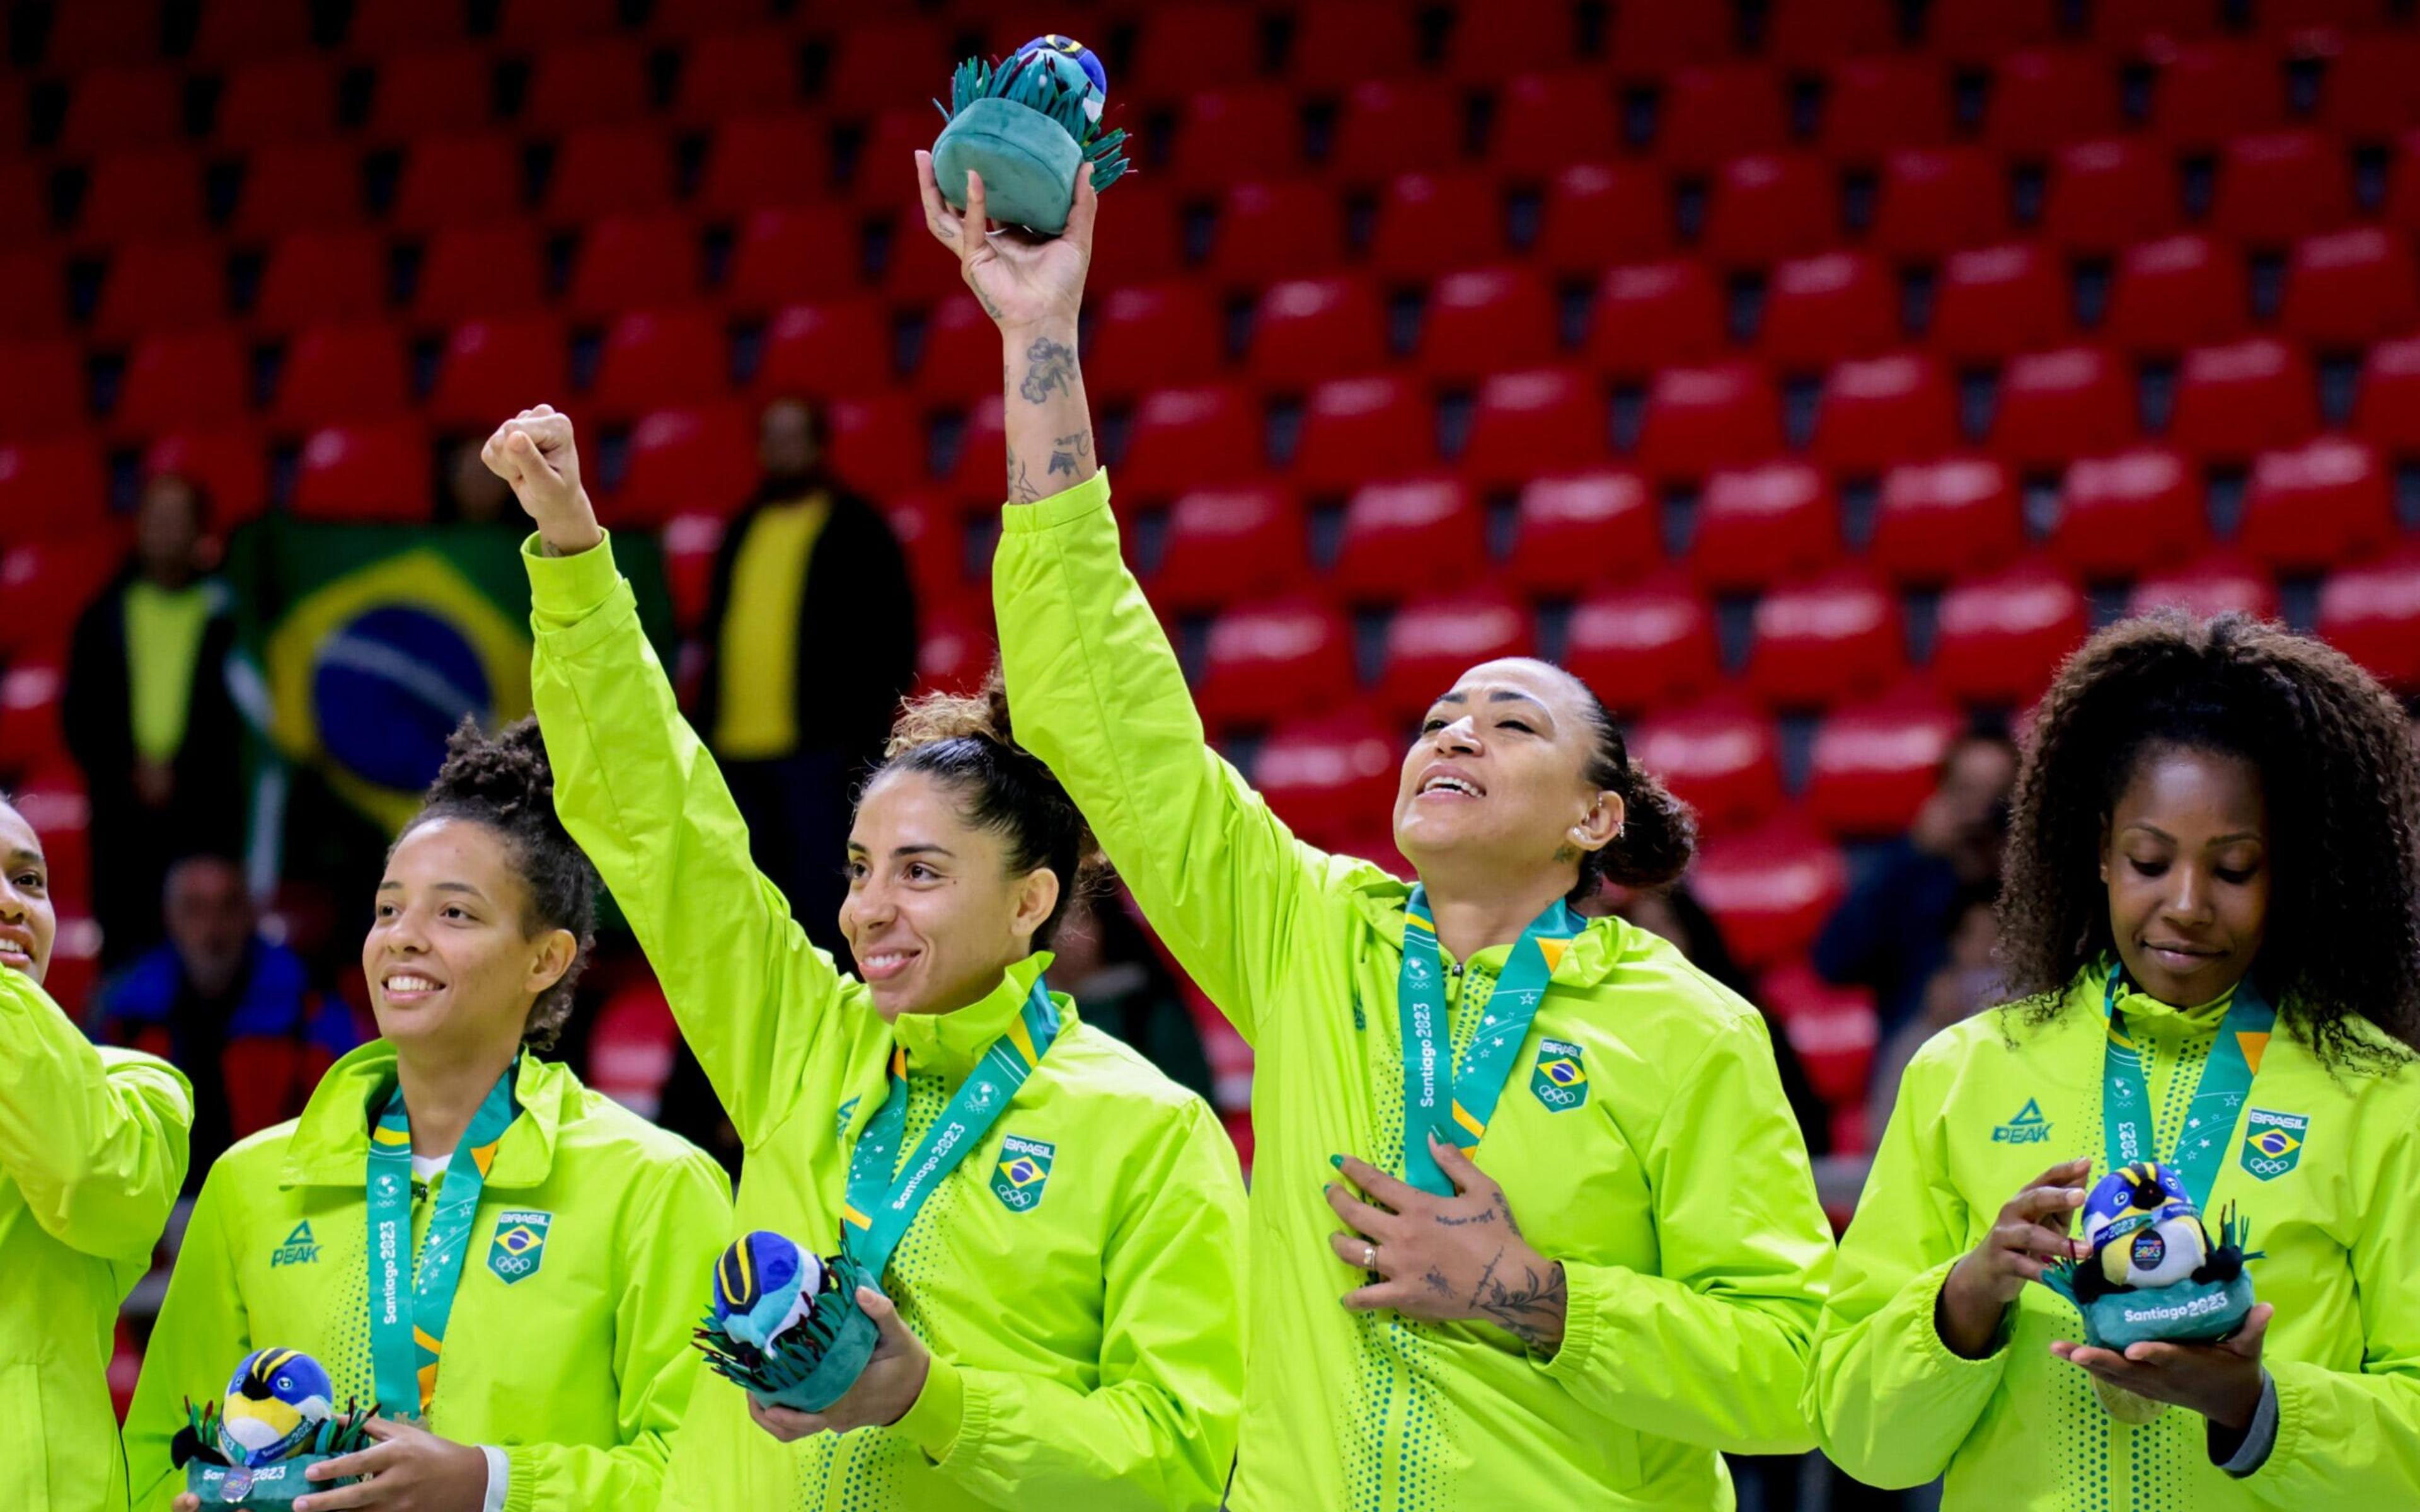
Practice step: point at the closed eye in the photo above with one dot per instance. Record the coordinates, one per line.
(2149, 869)
(1516, 724)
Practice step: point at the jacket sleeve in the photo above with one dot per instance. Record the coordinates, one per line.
(639, 792)
(1891, 1402)
(1158, 1432)
(1098, 695)
(96, 1139)
(202, 1331)
(1710, 1349)
(672, 1237)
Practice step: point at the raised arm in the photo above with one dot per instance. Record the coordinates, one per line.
(637, 789)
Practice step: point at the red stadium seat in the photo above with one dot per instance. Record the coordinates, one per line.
(1834, 1031)
(632, 261)
(1172, 334)
(94, 33)
(31, 692)
(1546, 121)
(2045, 98)
(1769, 890)
(658, 358)
(1243, 132)
(765, 160)
(234, 31)
(1511, 36)
(341, 373)
(817, 350)
(1431, 641)
(322, 275)
(1143, 243)
(1978, 31)
(1182, 438)
(1654, 315)
(2208, 91)
(2371, 612)
(1332, 777)
(1878, 409)
(2282, 185)
(1387, 127)
(1941, 519)
(1431, 223)
(1597, 213)
(1875, 762)
(2177, 292)
(282, 100)
(1577, 531)
(2129, 513)
(2102, 196)
(231, 462)
(2217, 584)
(2367, 95)
(1757, 525)
(1486, 320)
(32, 294)
(2313, 506)
(131, 196)
(889, 144)
(493, 368)
(24, 201)
(960, 353)
(1712, 114)
(1699, 418)
(1652, 39)
(982, 452)
(783, 256)
(1355, 427)
(957, 652)
(597, 82)
(2388, 411)
(41, 387)
(926, 526)
(2057, 405)
(448, 89)
(178, 377)
(1310, 328)
(750, 71)
(1819, 309)
(703, 458)
(1819, 31)
(1273, 660)
(2348, 287)
(118, 108)
(161, 285)
(1337, 43)
(52, 490)
(1268, 231)
(1226, 545)
(362, 474)
(1193, 46)
(1401, 539)
(48, 583)
(1825, 638)
(474, 271)
(381, 27)
(1999, 636)
(1540, 421)
(1934, 201)
(1993, 302)
(457, 181)
(1718, 756)
(609, 170)
(876, 445)
(2252, 396)
(535, 23)
(630, 1052)
(871, 57)
(1645, 644)
(2125, 26)
(1771, 205)
(1872, 106)
(299, 186)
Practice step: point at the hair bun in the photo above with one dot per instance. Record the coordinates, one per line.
(933, 716)
(505, 773)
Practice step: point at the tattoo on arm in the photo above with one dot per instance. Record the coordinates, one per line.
(1496, 1210)
(1530, 1309)
(1066, 451)
(1020, 481)
(1437, 1283)
(1050, 368)
(989, 307)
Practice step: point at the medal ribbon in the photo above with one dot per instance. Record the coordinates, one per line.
(879, 1209)
(1431, 1082)
(2218, 1098)
(408, 1316)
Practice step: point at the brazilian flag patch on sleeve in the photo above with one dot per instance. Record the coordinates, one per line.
(519, 1245)
(1023, 1170)
(1560, 1080)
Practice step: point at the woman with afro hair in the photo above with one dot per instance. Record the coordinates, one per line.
(505, 1262)
(2215, 819)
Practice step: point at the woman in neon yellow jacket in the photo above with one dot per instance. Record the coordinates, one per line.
(1066, 1326)
(1630, 1284)
(543, 1243)
(92, 1152)
(2215, 818)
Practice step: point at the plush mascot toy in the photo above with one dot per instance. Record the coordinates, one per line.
(277, 1420)
(1027, 124)
(786, 1325)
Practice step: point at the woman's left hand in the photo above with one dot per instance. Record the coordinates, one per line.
(413, 1471)
(893, 1380)
(2221, 1381)
(1442, 1258)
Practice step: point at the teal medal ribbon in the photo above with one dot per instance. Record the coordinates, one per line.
(2218, 1098)
(1432, 1084)
(409, 1304)
(879, 1208)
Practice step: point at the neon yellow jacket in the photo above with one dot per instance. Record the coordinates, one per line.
(1986, 1106)
(92, 1151)
(1677, 1193)
(578, 1369)
(1087, 1350)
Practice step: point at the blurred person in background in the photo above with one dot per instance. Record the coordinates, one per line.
(1968, 981)
(1119, 980)
(233, 1008)
(1892, 932)
(472, 495)
(149, 716)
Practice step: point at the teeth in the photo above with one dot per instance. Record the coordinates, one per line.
(410, 984)
(1449, 784)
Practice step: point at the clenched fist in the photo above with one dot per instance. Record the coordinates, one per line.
(536, 454)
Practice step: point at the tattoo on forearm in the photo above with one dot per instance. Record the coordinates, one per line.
(1530, 1309)
(1020, 481)
(1050, 368)
(1066, 451)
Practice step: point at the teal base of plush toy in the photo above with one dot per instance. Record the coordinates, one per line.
(1028, 162)
(831, 1377)
(259, 1488)
(800, 1376)
(2189, 1312)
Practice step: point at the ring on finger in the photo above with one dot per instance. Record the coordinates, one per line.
(1369, 1257)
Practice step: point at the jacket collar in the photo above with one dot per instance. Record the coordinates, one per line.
(951, 1043)
(1593, 958)
(332, 1140)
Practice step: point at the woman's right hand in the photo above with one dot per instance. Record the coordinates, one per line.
(1026, 284)
(2030, 1235)
(535, 452)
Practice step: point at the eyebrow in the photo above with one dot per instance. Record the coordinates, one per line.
(855, 849)
(21, 856)
(2220, 840)
(1501, 695)
(393, 883)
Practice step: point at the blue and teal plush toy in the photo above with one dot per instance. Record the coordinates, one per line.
(2153, 1272)
(786, 1325)
(1029, 124)
(277, 1420)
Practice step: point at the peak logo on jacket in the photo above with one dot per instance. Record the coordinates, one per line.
(2027, 1128)
(299, 1249)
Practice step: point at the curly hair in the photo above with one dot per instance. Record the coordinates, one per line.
(2337, 764)
(1659, 832)
(503, 781)
(964, 741)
